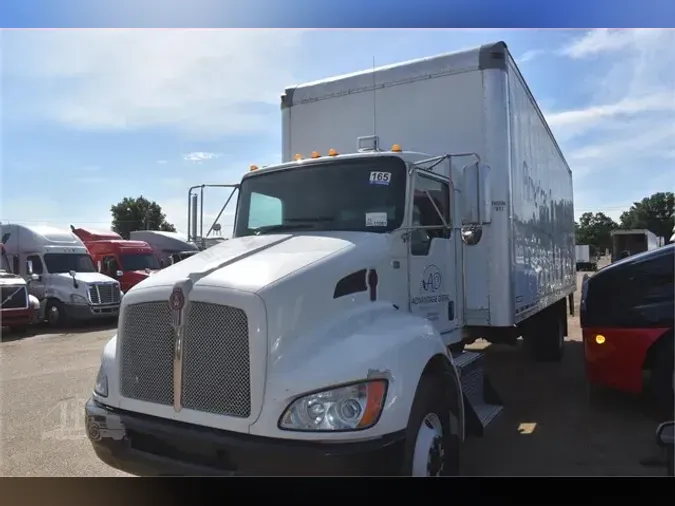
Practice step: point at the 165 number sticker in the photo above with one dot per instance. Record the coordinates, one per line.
(383, 178)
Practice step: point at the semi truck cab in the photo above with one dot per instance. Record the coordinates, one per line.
(129, 262)
(61, 274)
(19, 308)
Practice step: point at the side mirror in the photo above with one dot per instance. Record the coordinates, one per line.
(34, 277)
(476, 195)
(29, 266)
(665, 434)
(72, 274)
(119, 274)
(98, 266)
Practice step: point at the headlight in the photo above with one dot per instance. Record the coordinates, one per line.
(101, 387)
(352, 407)
(78, 299)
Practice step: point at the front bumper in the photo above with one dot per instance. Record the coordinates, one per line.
(17, 317)
(149, 446)
(81, 312)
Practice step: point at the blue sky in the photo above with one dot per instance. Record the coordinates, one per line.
(92, 116)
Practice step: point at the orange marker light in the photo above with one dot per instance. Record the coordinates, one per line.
(600, 339)
(375, 402)
(253, 167)
(315, 154)
(332, 152)
(298, 156)
(396, 148)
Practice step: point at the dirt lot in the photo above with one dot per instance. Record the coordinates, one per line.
(547, 428)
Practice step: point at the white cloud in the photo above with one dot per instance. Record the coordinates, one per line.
(627, 126)
(530, 55)
(200, 156)
(202, 81)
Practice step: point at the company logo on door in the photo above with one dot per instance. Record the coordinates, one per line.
(430, 284)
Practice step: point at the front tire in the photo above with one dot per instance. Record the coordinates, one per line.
(662, 383)
(56, 314)
(432, 441)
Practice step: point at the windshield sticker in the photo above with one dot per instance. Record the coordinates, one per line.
(382, 178)
(376, 219)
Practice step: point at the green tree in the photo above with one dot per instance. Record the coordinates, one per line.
(654, 213)
(595, 230)
(138, 214)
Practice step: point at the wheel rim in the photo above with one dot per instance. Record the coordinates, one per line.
(53, 315)
(429, 455)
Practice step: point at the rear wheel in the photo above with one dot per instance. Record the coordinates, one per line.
(661, 388)
(432, 439)
(545, 338)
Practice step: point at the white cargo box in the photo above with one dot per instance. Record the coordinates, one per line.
(469, 101)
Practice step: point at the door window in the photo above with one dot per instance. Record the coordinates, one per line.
(431, 207)
(37, 263)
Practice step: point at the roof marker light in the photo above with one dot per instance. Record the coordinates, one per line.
(332, 152)
(298, 157)
(315, 154)
(396, 148)
(253, 167)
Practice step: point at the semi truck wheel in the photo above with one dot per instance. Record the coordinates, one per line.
(56, 314)
(432, 441)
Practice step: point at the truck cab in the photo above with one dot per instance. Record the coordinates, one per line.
(61, 274)
(168, 247)
(129, 262)
(19, 308)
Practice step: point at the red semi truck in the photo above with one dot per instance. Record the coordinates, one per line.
(129, 262)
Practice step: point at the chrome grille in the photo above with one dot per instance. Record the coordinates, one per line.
(104, 293)
(13, 297)
(216, 371)
(216, 376)
(146, 366)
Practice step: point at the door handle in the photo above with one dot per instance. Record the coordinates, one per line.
(451, 310)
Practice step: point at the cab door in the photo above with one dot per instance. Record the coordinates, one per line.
(431, 253)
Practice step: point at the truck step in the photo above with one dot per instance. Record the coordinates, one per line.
(482, 404)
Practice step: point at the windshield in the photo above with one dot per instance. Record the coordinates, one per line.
(139, 261)
(66, 262)
(359, 195)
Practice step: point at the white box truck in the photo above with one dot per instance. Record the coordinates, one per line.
(630, 242)
(326, 336)
(584, 260)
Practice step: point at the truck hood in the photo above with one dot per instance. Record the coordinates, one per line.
(86, 277)
(253, 263)
(9, 279)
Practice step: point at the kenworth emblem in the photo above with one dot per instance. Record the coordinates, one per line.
(177, 305)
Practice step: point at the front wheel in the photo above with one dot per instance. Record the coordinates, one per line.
(432, 441)
(56, 314)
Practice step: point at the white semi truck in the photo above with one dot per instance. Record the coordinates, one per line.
(327, 335)
(60, 273)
